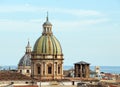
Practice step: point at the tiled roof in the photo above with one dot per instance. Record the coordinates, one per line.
(9, 75)
(82, 62)
(27, 86)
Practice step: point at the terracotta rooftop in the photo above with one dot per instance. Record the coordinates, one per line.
(81, 79)
(10, 75)
(27, 86)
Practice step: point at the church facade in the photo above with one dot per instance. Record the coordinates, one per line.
(24, 66)
(47, 57)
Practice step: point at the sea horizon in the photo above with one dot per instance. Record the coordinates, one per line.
(106, 69)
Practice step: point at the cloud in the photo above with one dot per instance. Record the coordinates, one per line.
(78, 12)
(24, 8)
(31, 24)
(65, 25)
(34, 25)
(23, 26)
(29, 8)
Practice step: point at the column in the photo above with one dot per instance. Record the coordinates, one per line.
(32, 69)
(88, 71)
(53, 69)
(81, 70)
(56, 69)
(76, 70)
(41, 65)
(61, 70)
(44, 68)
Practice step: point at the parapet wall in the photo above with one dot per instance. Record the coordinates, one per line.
(6, 83)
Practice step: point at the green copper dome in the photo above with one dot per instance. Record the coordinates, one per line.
(47, 43)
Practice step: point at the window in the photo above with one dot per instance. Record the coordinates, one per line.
(49, 70)
(12, 82)
(39, 70)
(78, 75)
(58, 69)
(43, 72)
(28, 71)
(20, 71)
(26, 82)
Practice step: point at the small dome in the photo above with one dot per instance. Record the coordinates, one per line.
(47, 44)
(47, 23)
(25, 60)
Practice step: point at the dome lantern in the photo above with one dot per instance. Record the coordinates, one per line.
(47, 27)
(28, 48)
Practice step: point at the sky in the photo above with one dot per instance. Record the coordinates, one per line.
(88, 30)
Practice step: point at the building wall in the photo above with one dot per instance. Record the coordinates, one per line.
(82, 70)
(24, 70)
(6, 83)
(44, 62)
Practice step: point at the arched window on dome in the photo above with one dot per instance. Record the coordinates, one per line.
(20, 71)
(59, 69)
(28, 71)
(49, 68)
(38, 69)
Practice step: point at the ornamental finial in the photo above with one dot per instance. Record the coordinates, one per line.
(47, 16)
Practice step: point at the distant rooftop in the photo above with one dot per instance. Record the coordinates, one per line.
(10, 75)
(27, 86)
(82, 62)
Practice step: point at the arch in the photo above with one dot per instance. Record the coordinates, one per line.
(38, 64)
(20, 71)
(38, 68)
(59, 68)
(49, 68)
(27, 71)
